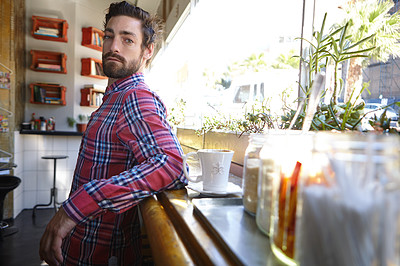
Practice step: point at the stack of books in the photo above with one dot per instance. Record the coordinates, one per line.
(96, 69)
(97, 39)
(97, 94)
(51, 67)
(52, 32)
(41, 95)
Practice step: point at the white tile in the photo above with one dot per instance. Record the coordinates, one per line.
(71, 161)
(19, 190)
(60, 143)
(62, 195)
(30, 160)
(62, 163)
(19, 161)
(29, 181)
(18, 142)
(45, 164)
(64, 179)
(18, 204)
(29, 199)
(74, 143)
(31, 142)
(44, 180)
(43, 197)
(45, 143)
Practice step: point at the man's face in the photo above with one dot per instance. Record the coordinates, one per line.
(122, 53)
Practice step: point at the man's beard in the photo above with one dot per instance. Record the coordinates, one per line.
(113, 70)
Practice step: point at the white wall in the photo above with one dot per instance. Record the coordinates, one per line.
(37, 173)
(78, 14)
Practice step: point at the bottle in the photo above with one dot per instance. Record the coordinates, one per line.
(251, 167)
(50, 124)
(32, 122)
(349, 195)
(42, 124)
(291, 155)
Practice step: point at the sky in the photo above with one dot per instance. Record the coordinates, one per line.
(217, 33)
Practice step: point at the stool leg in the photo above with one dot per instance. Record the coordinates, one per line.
(53, 193)
(54, 185)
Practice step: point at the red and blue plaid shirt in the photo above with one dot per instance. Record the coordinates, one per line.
(128, 153)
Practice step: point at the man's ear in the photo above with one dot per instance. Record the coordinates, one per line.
(148, 51)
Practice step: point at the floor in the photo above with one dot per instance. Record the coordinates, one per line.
(22, 248)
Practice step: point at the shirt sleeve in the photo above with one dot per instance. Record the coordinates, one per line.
(142, 127)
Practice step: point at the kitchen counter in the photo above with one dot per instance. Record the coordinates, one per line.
(185, 228)
(53, 133)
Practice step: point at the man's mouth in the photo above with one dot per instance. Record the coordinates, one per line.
(111, 58)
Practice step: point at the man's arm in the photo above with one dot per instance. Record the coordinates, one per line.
(56, 230)
(142, 128)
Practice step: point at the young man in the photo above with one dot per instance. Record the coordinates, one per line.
(128, 153)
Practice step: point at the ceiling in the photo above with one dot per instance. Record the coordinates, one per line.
(150, 6)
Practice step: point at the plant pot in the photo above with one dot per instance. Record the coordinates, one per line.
(81, 127)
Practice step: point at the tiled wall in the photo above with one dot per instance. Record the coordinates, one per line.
(37, 173)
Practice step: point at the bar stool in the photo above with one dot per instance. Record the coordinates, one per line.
(53, 191)
(7, 183)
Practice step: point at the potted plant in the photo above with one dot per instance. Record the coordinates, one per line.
(81, 122)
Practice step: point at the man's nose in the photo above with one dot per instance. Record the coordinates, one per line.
(115, 45)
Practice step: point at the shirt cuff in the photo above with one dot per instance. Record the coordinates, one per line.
(81, 207)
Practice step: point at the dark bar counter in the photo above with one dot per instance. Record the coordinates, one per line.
(187, 230)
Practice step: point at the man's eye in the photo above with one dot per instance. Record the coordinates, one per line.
(128, 41)
(106, 37)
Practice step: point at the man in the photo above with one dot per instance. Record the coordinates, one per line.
(128, 153)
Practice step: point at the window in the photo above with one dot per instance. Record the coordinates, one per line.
(242, 94)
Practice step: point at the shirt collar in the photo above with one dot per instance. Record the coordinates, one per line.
(121, 84)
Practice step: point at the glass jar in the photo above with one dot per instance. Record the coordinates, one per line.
(251, 168)
(268, 172)
(349, 201)
(291, 155)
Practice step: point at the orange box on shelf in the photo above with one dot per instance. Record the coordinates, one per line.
(91, 97)
(92, 67)
(51, 62)
(92, 38)
(47, 93)
(49, 29)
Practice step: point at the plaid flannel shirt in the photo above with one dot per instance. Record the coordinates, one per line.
(127, 153)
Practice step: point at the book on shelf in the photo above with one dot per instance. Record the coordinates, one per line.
(99, 69)
(50, 30)
(95, 39)
(53, 101)
(39, 94)
(92, 67)
(49, 67)
(53, 98)
(46, 34)
(99, 98)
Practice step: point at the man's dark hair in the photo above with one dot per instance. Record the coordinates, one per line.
(152, 26)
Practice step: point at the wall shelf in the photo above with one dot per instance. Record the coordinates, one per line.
(49, 29)
(92, 67)
(92, 38)
(51, 62)
(91, 97)
(47, 93)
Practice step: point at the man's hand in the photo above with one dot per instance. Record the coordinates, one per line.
(56, 230)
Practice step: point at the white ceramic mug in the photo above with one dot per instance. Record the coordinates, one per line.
(215, 165)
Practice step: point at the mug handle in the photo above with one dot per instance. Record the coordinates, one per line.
(185, 157)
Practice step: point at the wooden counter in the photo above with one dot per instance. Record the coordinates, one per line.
(179, 236)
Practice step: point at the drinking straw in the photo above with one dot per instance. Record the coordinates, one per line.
(315, 95)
